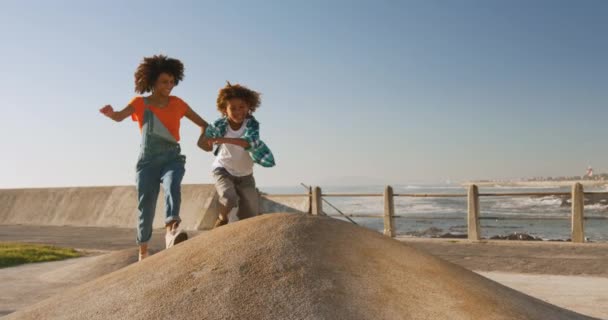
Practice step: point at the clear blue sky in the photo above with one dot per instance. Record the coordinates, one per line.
(395, 91)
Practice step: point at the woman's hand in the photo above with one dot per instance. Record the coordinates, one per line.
(107, 111)
(205, 143)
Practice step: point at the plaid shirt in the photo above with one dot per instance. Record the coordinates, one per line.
(259, 151)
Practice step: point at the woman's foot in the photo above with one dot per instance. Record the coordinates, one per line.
(174, 237)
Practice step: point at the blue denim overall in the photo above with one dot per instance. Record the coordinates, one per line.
(160, 162)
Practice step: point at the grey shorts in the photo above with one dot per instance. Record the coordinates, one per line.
(237, 191)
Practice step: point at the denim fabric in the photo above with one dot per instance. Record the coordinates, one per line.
(160, 163)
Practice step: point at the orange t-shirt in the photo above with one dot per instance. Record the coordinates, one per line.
(169, 115)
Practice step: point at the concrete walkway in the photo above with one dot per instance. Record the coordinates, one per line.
(27, 284)
(586, 295)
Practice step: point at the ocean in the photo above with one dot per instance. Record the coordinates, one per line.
(544, 217)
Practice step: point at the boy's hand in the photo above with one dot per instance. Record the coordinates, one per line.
(107, 110)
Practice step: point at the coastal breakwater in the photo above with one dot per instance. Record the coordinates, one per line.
(116, 206)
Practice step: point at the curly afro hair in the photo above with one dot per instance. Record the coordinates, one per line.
(148, 71)
(230, 91)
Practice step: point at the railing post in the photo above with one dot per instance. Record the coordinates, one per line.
(578, 219)
(473, 213)
(317, 203)
(389, 212)
(309, 199)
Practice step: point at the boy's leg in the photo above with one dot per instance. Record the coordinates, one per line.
(222, 218)
(228, 198)
(147, 182)
(171, 178)
(248, 197)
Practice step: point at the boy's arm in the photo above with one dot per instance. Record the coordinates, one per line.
(252, 134)
(206, 143)
(236, 141)
(119, 116)
(194, 117)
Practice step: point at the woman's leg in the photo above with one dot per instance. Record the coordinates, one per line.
(143, 251)
(171, 177)
(148, 179)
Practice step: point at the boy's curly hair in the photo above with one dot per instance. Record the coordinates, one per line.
(231, 91)
(148, 71)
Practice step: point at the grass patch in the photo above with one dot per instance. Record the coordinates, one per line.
(13, 254)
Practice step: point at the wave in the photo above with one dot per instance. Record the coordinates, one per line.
(501, 187)
(457, 207)
(414, 187)
(525, 203)
(596, 207)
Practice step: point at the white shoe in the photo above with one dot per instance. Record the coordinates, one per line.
(174, 237)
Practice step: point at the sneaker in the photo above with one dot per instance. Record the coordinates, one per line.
(174, 237)
(220, 222)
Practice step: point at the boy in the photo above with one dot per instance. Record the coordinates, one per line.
(239, 146)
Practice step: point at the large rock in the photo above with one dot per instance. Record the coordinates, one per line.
(292, 266)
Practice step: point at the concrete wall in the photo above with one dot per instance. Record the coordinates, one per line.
(117, 206)
(267, 204)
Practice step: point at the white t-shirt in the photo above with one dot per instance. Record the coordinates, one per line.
(234, 158)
